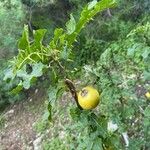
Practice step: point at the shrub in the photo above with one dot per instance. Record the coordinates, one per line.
(11, 22)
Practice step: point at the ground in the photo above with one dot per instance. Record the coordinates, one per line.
(18, 132)
(24, 126)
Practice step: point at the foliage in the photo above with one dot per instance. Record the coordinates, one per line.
(11, 22)
(121, 68)
(135, 9)
(35, 51)
(40, 3)
(5, 87)
(88, 50)
(119, 72)
(53, 144)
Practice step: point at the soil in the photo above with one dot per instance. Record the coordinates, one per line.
(18, 132)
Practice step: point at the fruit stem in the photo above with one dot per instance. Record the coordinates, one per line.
(73, 91)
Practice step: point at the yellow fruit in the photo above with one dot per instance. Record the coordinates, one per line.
(88, 98)
(147, 95)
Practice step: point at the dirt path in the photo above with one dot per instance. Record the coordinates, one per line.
(18, 132)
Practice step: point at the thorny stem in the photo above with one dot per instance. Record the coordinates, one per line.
(73, 91)
(69, 84)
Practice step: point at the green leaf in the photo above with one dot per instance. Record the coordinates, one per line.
(131, 51)
(37, 71)
(58, 39)
(17, 89)
(30, 52)
(26, 83)
(146, 75)
(92, 4)
(35, 52)
(146, 53)
(65, 53)
(97, 144)
(24, 43)
(39, 35)
(22, 73)
(113, 141)
(38, 38)
(87, 15)
(8, 74)
(54, 93)
(60, 92)
(94, 142)
(71, 25)
(147, 111)
(57, 33)
(75, 113)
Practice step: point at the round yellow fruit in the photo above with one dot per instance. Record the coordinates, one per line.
(147, 95)
(88, 98)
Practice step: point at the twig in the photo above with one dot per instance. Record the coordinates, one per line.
(69, 83)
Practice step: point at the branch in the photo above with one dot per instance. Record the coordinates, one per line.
(69, 83)
(73, 91)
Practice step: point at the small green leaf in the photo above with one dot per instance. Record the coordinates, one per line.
(92, 4)
(147, 111)
(53, 94)
(57, 33)
(27, 82)
(58, 39)
(37, 69)
(65, 53)
(8, 74)
(24, 41)
(39, 35)
(146, 75)
(22, 72)
(146, 53)
(97, 144)
(17, 89)
(75, 113)
(131, 51)
(38, 38)
(71, 25)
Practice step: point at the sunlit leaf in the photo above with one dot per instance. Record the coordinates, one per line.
(71, 25)
(92, 4)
